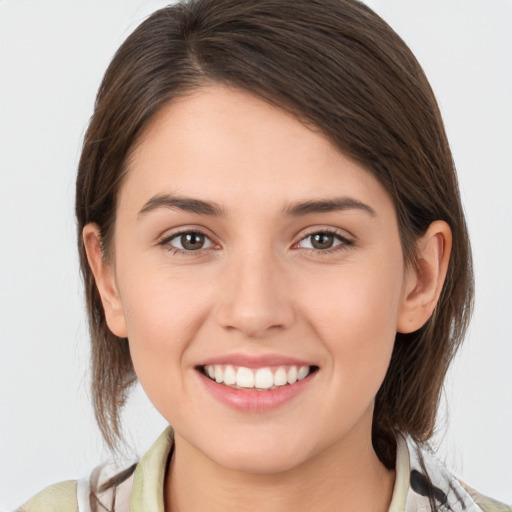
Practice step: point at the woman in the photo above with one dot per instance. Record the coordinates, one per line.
(273, 244)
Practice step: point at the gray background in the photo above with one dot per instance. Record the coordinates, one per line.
(52, 57)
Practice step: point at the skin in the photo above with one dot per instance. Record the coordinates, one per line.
(258, 286)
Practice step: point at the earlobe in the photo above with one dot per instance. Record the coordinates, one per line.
(104, 276)
(424, 282)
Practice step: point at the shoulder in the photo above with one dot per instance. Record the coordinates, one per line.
(61, 497)
(102, 490)
(484, 502)
(110, 486)
(431, 481)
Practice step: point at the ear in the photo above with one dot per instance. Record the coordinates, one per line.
(424, 282)
(105, 278)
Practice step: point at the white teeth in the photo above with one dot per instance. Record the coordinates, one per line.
(303, 372)
(280, 377)
(229, 376)
(244, 377)
(291, 377)
(262, 378)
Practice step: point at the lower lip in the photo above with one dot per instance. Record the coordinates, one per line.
(252, 400)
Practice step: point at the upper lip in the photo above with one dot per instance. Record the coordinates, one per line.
(255, 361)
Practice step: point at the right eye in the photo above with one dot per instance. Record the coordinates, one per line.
(187, 241)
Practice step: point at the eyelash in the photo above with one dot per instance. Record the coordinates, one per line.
(344, 244)
(345, 241)
(165, 242)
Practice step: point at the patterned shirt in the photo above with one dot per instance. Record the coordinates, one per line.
(422, 484)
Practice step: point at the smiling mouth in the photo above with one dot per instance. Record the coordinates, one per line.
(258, 379)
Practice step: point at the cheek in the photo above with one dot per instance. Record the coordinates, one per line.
(163, 313)
(354, 312)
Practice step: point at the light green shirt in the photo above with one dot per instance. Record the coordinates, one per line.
(143, 491)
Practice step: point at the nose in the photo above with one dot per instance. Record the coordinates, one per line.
(254, 298)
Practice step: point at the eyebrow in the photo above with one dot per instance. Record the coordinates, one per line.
(213, 209)
(328, 205)
(185, 204)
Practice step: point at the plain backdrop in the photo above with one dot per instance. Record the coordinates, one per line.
(52, 57)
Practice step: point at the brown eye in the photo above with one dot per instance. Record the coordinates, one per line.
(322, 240)
(192, 241)
(188, 242)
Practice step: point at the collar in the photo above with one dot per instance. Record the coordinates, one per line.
(149, 477)
(415, 465)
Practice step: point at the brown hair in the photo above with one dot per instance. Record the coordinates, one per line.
(336, 65)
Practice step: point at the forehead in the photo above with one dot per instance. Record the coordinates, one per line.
(229, 144)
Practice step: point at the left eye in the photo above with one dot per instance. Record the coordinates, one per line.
(189, 241)
(322, 241)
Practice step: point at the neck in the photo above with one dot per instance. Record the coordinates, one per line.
(345, 477)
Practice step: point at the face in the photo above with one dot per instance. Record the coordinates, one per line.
(259, 277)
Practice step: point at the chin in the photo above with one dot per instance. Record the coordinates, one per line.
(260, 455)
(260, 462)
